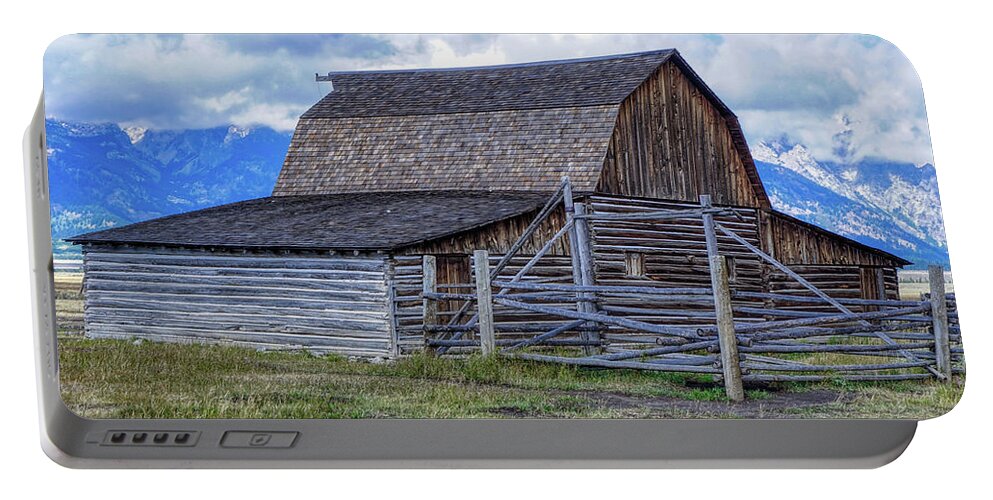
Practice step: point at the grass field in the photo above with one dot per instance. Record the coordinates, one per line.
(124, 379)
(914, 282)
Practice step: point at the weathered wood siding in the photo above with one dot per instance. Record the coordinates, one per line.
(408, 276)
(664, 254)
(408, 321)
(675, 250)
(498, 237)
(672, 143)
(794, 242)
(838, 281)
(674, 253)
(550, 269)
(272, 300)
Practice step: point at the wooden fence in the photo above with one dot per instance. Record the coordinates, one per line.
(736, 342)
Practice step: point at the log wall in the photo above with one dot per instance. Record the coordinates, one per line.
(512, 323)
(838, 281)
(497, 237)
(663, 254)
(672, 143)
(674, 255)
(267, 300)
(408, 281)
(794, 242)
(550, 269)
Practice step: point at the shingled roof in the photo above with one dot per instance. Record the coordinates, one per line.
(364, 221)
(551, 84)
(513, 127)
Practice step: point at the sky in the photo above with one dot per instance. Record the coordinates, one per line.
(845, 97)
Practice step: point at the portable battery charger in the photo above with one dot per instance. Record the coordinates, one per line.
(540, 261)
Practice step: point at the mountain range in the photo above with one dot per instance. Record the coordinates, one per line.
(102, 175)
(105, 175)
(888, 205)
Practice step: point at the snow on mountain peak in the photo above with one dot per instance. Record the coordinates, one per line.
(236, 132)
(763, 152)
(77, 129)
(136, 134)
(881, 201)
(798, 158)
(794, 157)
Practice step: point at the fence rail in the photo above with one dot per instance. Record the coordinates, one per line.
(736, 336)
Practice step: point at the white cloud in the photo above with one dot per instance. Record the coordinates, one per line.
(222, 103)
(819, 90)
(277, 116)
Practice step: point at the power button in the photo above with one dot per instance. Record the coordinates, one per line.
(258, 439)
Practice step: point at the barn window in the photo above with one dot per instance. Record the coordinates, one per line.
(634, 265)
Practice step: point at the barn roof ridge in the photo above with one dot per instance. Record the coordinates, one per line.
(544, 62)
(664, 56)
(565, 83)
(457, 112)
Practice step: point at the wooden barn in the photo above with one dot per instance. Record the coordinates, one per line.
(393, 166)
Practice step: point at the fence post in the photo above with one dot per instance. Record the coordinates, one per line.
(581, 261)
(730, 363)
(484, 301)
(939, 321)
(429, 273)
(709, 233)
(583, 243)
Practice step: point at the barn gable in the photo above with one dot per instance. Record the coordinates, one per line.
(676, 140)
(517, 127)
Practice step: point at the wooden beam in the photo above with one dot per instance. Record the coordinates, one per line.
(728, 342)
(391, 307)
(570, 214)
(939, 321)
(429, 266)
(823, 378)
(880, 284)
(521, 241)
(603, 363)
(687, 333)
(656, 351)
(545, 337)
(591, 332)
(708, 230)
(789, 272)
(646, 290)
(484, 301)
(508, 342)
(730, 363)
(653, 216)
(561, 192)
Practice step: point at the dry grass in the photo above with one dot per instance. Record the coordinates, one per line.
(914, 282)
(107, 378)
(69, 302)
(121, 379)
